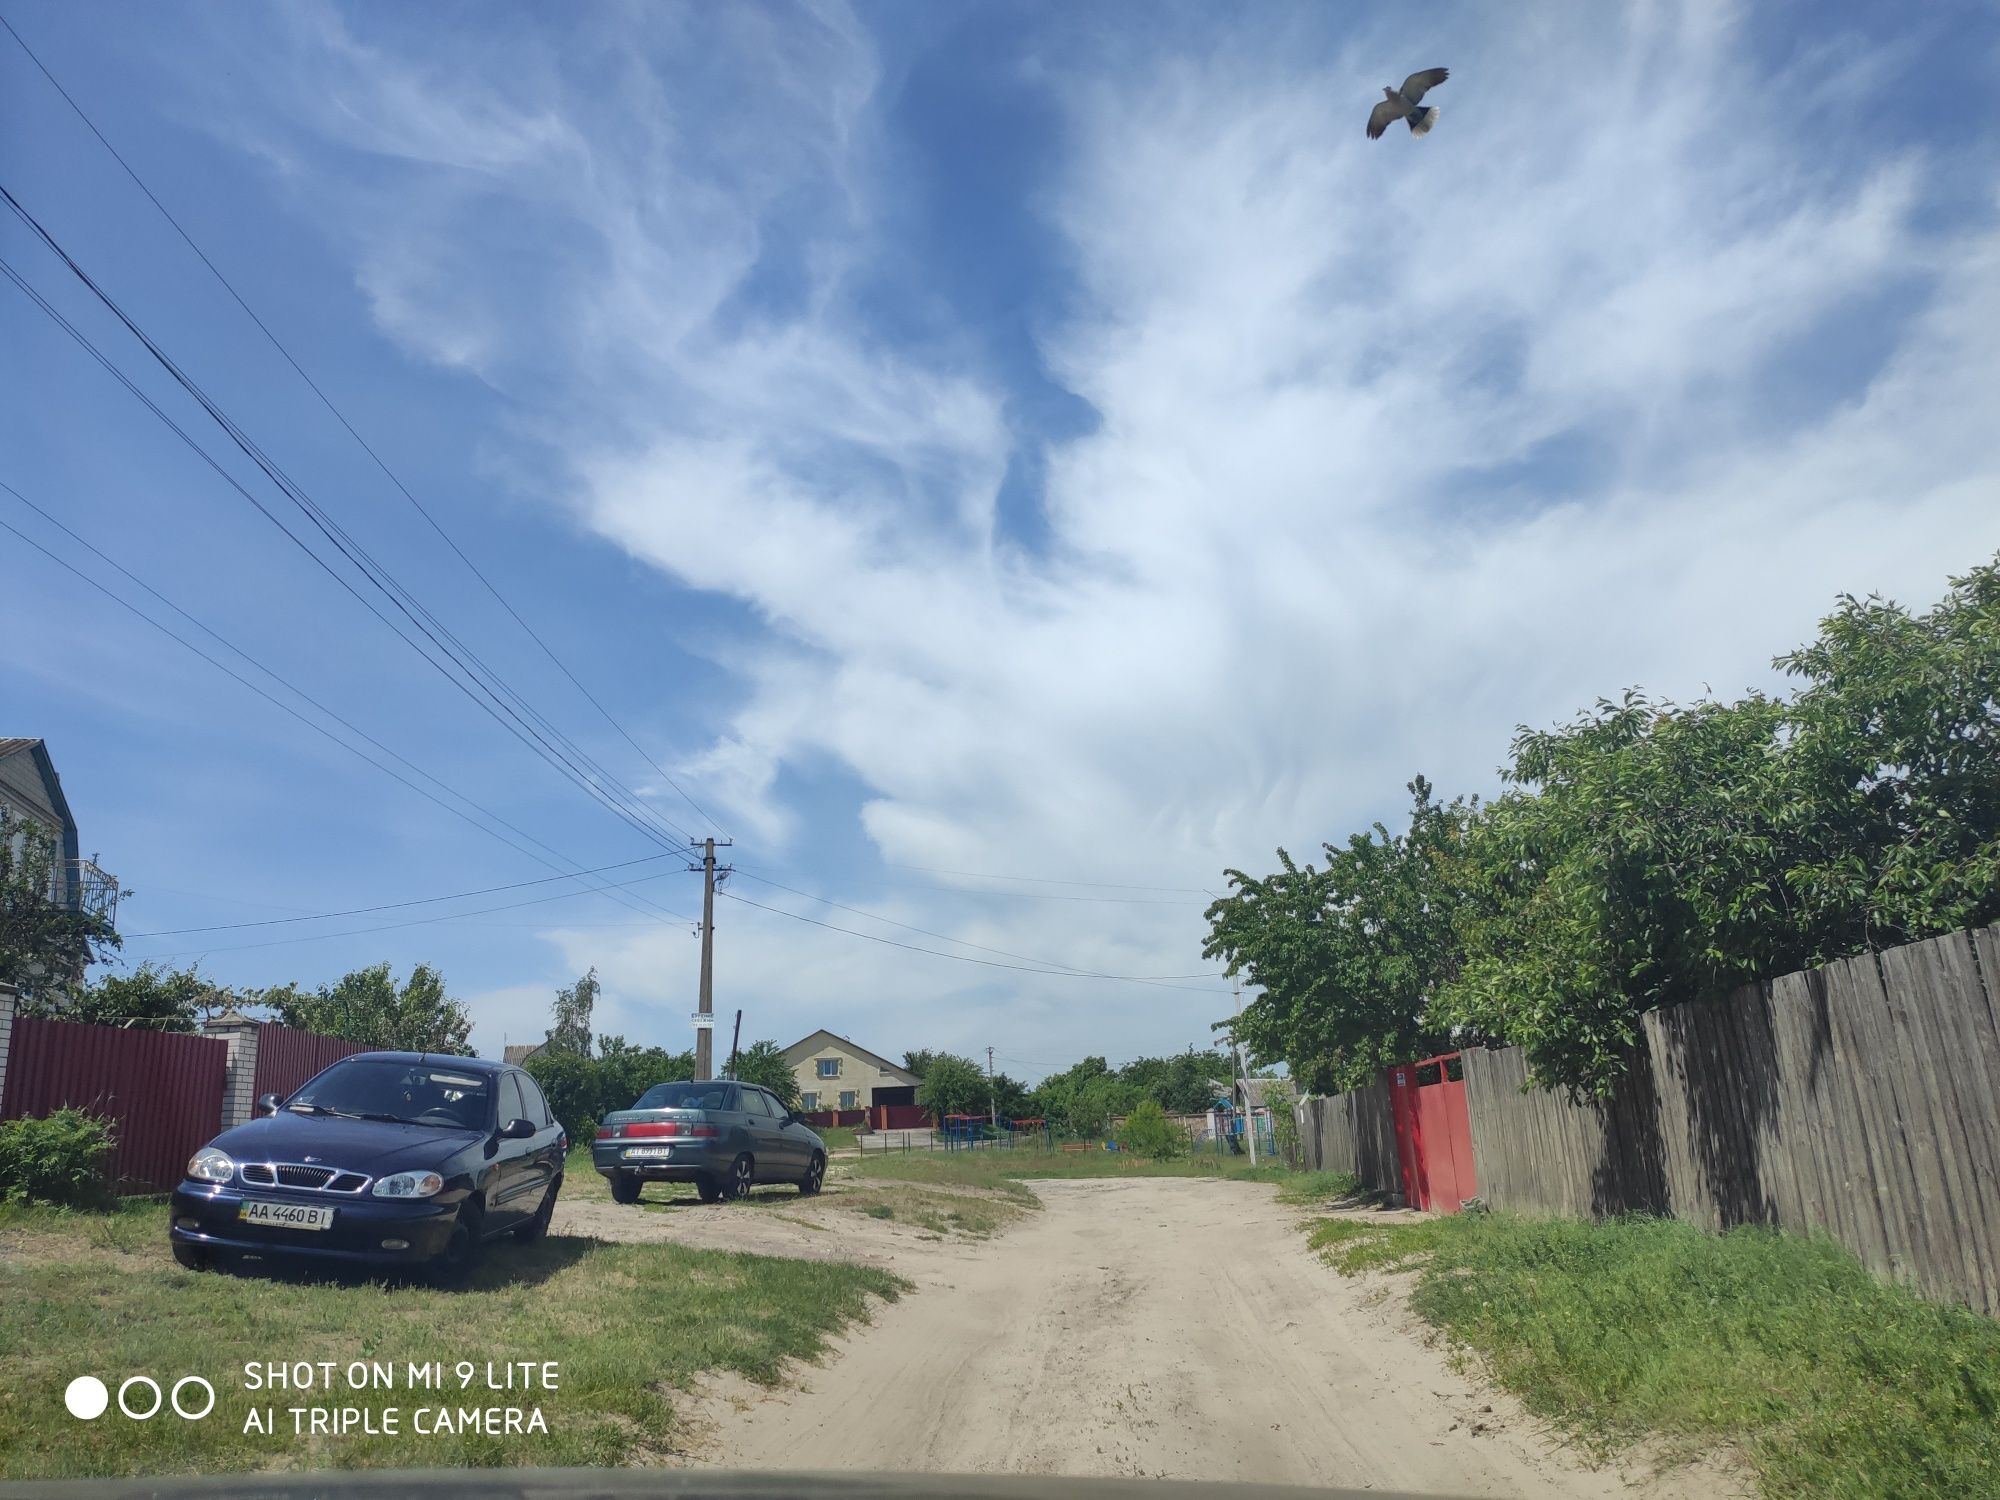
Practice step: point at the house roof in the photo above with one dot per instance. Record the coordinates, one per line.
(38, 752)
(796, 1053)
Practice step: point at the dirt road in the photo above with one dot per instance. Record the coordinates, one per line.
(1163, 1327)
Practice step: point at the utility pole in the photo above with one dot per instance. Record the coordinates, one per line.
(992, 1099)
(1243, 1081)
(735, 1040)
(704, 1016)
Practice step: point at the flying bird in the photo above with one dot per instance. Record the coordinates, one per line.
(1406, 103)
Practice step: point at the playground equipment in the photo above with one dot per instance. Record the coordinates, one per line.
(983, 1132)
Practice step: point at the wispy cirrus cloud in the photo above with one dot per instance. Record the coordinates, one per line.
(1395, 445)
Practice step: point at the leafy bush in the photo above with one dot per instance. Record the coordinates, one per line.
(1148, 1132)
(62, 1159)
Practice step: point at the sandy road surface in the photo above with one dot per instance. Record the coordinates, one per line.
(1161, 1327)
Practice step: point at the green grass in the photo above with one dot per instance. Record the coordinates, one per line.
(1831, 1382)
(836, 1137)
(629, 1325)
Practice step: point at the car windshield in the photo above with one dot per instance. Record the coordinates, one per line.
(685, 1096)
(412, 1093)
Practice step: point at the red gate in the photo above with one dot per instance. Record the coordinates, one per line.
(1433, 1132)
(163, 1090)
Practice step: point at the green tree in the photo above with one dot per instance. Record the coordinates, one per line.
(571, 1032)
(582, 1089)
(919, 1062)
(151, 998)
(368, 1006)
(1184, 1085)
(764, 1063)
(953, 1086)
(1645, 854)
(1351, 956)
(44, 946)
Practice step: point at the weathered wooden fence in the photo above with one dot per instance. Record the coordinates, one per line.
(1353, 1132)
(1860, 1100)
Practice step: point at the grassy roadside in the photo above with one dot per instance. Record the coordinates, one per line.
(628, 1325)
(1832, 1383)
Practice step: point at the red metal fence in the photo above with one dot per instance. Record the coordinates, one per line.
(287, 1057)
(833, 1117)
(163, 1090)
(898, 1116)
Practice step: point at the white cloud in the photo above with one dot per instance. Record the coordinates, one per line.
(1281, 574)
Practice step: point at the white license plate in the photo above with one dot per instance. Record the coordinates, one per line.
(286, 1215)
(632, 1151)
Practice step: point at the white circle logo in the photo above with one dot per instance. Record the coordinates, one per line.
(183, 1412)
(86, 1398)
(151, 1384)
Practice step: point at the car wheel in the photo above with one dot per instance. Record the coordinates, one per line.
(462, 1251)
(625, 1187)
(538, 1227)
(742, 1173)
(194, 1257)
(815, 1175)
(709, 1188)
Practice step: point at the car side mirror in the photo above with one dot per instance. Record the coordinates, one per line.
(517, 1130)
(267, 1104)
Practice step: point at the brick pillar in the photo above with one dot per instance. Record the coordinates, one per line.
(239, 1074)
(7, 996)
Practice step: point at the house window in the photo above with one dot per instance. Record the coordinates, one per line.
(808, 1101)
(850, 1099)
(829, 1067)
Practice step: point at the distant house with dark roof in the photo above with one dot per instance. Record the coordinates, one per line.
(32, 792)
(836, 1074)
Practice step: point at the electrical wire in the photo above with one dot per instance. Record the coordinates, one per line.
(632, 810)
(477, 911)
(1182, 890)
(965, 958)
(306, 697)
(946, 937)
(362, 911)
(341, 417)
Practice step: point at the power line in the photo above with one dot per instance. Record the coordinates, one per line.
(477, 911)
(946, 937)
(963, 957)
(299, 692)
(632, 811)
(341, 417)
(362, 911)
(1182, 890)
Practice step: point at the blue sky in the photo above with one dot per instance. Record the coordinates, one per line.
(1039, 441)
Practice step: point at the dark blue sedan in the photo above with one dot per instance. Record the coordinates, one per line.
(391, 1158)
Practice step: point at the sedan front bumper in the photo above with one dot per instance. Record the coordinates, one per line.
(380, 1230)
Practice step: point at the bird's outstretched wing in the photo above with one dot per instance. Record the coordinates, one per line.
(1419, 84)
(1385, 114)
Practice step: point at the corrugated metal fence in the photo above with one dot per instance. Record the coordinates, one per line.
(287, 1057)
(1860, 1100)
(164, 1089)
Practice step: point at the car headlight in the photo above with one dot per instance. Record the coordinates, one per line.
(409, 1185)
(211, 1165)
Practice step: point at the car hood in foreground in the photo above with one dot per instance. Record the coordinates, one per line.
(371, 1146)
